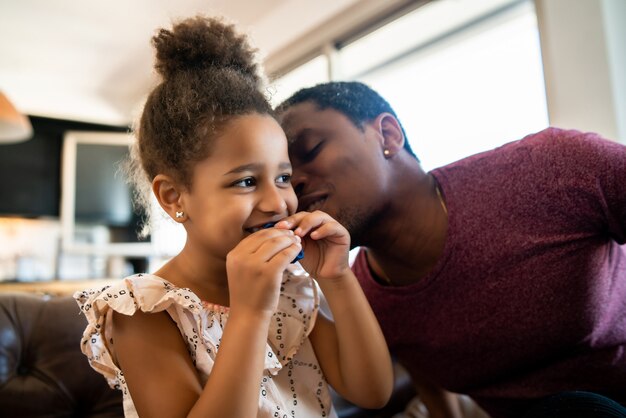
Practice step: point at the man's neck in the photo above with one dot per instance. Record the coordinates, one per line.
(409, 241)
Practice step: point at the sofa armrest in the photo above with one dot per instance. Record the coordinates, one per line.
(42, 370)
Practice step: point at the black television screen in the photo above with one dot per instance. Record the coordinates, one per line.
(102, 195)
(96, 194)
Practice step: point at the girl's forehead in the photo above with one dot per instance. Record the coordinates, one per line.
(250, 133)
(255, 143)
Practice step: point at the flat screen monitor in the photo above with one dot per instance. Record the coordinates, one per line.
(95, 196)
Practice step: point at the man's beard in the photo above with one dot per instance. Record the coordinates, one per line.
(357, 221)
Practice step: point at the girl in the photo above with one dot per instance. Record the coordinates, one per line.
(230, 327)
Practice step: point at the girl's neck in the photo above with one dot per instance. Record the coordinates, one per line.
(205, 275)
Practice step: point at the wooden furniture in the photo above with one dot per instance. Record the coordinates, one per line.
(53, 288)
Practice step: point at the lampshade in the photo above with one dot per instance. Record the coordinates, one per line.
(14, 126)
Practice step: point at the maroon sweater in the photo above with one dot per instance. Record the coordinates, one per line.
(529, 297)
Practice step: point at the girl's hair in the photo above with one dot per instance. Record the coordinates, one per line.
(209, 75)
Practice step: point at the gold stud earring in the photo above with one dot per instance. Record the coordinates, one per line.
(179, 214)
(386, 152)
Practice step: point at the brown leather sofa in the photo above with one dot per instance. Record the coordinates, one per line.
(42, 370)
(44, 374)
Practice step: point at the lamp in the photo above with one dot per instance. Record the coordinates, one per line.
(14, 126)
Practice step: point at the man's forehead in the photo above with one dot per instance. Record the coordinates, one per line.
(298, 135)
(309, 116)
(296, 114)
(298, 122)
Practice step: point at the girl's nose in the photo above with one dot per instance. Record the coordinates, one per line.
(272, 200)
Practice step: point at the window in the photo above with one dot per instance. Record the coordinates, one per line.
(312, 72)
(463, 76)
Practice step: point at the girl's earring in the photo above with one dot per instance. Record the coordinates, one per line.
(386, 152)
(180, 214)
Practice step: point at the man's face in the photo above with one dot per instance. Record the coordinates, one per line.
(337, 167)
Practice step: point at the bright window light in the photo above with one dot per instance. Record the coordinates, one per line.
(472, 91)
(309, 74)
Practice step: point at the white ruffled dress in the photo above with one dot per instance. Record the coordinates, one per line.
(293, 384)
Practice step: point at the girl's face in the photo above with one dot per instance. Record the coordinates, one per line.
(244, 184)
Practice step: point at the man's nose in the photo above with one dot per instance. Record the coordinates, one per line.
(298, 182)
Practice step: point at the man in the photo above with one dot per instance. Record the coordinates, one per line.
(502, 276)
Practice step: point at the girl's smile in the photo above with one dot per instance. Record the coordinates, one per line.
(242, 185)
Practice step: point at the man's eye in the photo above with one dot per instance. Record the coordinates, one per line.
(247, 182)
(312, 153)
(284, 179)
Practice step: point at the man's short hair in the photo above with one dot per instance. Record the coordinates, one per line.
(357, 101)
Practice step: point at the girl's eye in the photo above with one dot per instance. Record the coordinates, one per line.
(284, 179)
(246, 182)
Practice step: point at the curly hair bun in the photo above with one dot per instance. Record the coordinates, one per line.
(200, 43)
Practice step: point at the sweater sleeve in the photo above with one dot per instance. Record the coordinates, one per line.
(604, 163)
(616, 191)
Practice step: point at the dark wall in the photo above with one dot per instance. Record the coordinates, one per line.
(30, 171)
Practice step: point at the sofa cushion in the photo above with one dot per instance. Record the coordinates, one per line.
(42, 370)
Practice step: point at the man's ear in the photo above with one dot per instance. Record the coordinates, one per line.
(391, 132)
(169, 196)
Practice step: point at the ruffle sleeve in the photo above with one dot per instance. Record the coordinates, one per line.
(146, 293)
(201, 324)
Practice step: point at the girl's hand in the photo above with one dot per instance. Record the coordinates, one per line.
(326, 243)
(255, 269)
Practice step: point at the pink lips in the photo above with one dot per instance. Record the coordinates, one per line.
(305, 202)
